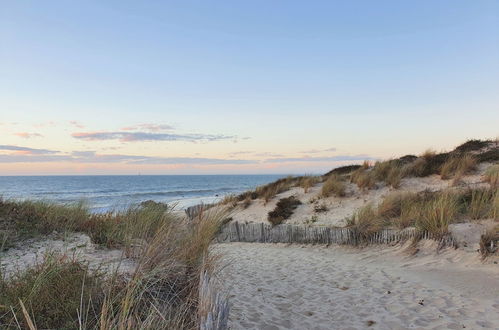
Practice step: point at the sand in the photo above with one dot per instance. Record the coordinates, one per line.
(275, 286)
(73, 245)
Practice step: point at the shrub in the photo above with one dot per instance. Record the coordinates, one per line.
(488, 156)
(436, 214)
(342, 170)
(472, 145)
(283, 210)
(333, 186)
(492, 175)
(322, 207)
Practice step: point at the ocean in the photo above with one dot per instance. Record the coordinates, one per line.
(115, 192)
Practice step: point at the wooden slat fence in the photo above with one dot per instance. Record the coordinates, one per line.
(301, 234)
(213, 306)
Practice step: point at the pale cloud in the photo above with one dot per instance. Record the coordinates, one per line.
(76, 123)
(319, 159)
(148, 136)
(26, 150)
(149, 127)
(316, 151)
(46, 124)
(27, 135)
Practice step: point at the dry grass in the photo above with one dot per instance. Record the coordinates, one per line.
(437, 213)
(162, 292)
(457, 166)
(283, 210)
(363, 179)
(333, 186)
(307, 182)
(492, 175)
(247, 202)
(480, 203)
(394, 177)
(26, 219)
(365, 221)
(489, 242)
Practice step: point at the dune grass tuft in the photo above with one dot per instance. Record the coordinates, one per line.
(436, 214)
(492, 175)
(333, 186)
(307, 182)
(489, 242)
(365, 221)
(457, 166)
(364, 179)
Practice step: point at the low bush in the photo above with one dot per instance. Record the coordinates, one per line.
(343, 170)
(472, 145)
(283, 210)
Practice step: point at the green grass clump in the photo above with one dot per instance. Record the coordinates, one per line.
(27, 219)
(492, 175)
(436, 214)
(333, 186)
(479, 203)
(54, 293)
(283, 210)
(365, 221)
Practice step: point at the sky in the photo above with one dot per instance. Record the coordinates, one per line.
(241, 87)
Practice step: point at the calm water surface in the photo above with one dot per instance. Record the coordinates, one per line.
(104, 193)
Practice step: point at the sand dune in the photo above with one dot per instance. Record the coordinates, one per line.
(295, 287)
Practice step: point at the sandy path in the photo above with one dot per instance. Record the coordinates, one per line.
(294, 287)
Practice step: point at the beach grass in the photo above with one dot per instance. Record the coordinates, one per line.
(333, 186)
(169, 252)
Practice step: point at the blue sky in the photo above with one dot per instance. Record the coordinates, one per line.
(276, 86)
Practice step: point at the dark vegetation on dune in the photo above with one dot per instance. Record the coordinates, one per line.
(283, 210)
